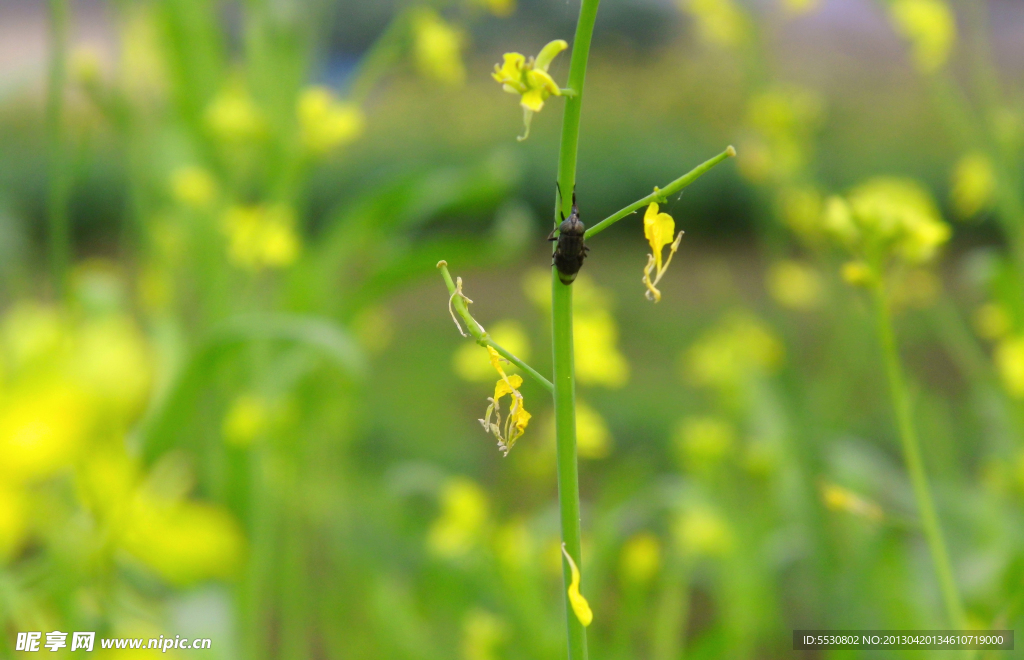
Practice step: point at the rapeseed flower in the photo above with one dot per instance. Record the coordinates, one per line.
(437, 48)
(463, 519)
(973, 185)
(658, 230)
(261, 236)
(325, 123)
(794, 285)
(704, 442)
(193, 187)
(518, 418)
(234, 117)
(720, 22)
(738, 347)
(641, 559)
(929, 26)
(529, 78)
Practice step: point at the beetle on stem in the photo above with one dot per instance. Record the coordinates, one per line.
(570, 250)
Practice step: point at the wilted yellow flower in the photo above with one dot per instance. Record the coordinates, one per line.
(473, 364)
(579, 604)
(247, 417)
(720, 22)
(838, 498)
(482, 634)
(234, 117)
(701, 532)
(518, 418)
(992, 321)
(437, 47)
(193, 187)
(325, 123)
(929, 26)
(529, 78)
(704, 441)
(888, 216)
(794, 284)
(973, 185)
(593, 439)
(658, 230)
(464, 511)
(738, 346)
(261, 236)
(641, 558)
(1009, 359)
(184, 542)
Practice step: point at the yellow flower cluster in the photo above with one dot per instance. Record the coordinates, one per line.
(325, 123)
(887, 218)
(261, 236)
(658, 230)
(529, 79)
(518, 418)
(973, 185)
(929, 26)
(437, 48)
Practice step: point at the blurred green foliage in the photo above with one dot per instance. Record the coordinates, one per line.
(239, 410)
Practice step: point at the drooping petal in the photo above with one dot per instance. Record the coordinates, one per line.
(507, 386)
(579, 604)
(659, 229)
(549, 52)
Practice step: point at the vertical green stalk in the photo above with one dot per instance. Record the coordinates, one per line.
(561, 321)
(57, 185)
(915, 465)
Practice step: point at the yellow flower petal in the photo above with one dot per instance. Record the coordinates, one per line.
(510, 70)
(579, 604)
(659, 229)
(549, 52)
(507, 386)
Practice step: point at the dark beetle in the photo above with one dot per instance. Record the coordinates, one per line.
(570, 250)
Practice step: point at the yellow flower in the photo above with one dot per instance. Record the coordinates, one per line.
(579, 604)
(1009, 359)
(857, 273)
(529, 78)
(464, 512)
(992, 321)
(518, 418)
(41, 430)
(737, 347)
(838, 498)
(929, 26)
(705, 441)
(470, 363)
(247, 417)
(974, 185)
(593, 439)
(325, 123)
(193, 187)
(482, 634)
(795, 285)
(658, 230)
(113, 364)
(233, 116)
(701, 532)
(641, 559)
(598, 360)
(261, 236)
(720, 22)
(437, 47)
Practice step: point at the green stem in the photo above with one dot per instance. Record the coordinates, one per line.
(57, 194)
(915, 465)
(561, 331)
(481, 335)
(660, 194)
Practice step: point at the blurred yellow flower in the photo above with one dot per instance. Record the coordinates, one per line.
(701, 532)
(720, 22)
(737, 347)
(579, 604)
(463, 519)
(437, 48)
(800, 208)
(641, 559)
(261, 236)
(325, 123)
(184, 542)
(193, 187)
(857, 273)
(973, 185)
(41, 430)
(482, 634)
(13, 520)
(529, 78)
(794, 284)
(929, 26)
(248, 416)
(113, 363)
(1009, 360)
(704, 442)
(598, 360)
(514, 545)
(500, 8)
(234, 117)
(658, 230)
(992, 321)
(473, 364)
(593, 439)
(841, 499)
(33, 333)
